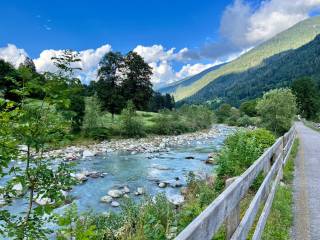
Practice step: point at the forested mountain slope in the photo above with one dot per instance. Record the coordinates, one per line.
(171, 88)
(277, 71)
(293, 38)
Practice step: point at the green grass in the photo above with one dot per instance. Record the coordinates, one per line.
(280, 219)
(293, 38)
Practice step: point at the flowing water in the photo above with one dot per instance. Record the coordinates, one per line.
(145, 170)
(139, 170)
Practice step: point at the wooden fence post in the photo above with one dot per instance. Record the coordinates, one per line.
(233, 220)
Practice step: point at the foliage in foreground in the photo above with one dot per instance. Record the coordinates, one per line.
(157, 218)
(240, 151)
(150, 219)
(24, 136)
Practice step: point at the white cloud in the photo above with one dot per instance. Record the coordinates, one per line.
(89, 61)
(161, 61)
(245, 26)
(13, 55)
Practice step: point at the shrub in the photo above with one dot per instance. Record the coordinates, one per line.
(169, 123)
(245, 121)
(185, 119)
(131, 123)
(277, 109)
(223, 112)
(240, 151)
(92, 124)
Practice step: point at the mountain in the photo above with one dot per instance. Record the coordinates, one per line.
(172, 87)
(274, 72)
(293, 38)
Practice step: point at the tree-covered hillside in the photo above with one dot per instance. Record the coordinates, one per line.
(171, 88)
(293, 38)
(277, 71)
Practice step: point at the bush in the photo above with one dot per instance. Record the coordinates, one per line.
(277, 109)
(245, 121)
(131, 123)
(240, 151)
(185, 119)
(169, 123)
(92, 124)
(151, 219)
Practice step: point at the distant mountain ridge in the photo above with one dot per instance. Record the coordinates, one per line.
(293, 38)
(172, 87)
(277, 71)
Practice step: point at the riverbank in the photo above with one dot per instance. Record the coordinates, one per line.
(149, 144)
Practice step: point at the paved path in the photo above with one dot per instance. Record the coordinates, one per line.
(307, 185)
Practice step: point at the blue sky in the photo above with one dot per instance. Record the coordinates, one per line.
(38, 25)
(177, 38)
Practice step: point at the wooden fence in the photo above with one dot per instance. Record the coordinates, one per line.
(225, 208)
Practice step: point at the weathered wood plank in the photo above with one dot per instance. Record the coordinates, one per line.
(248, 219)
(266, 210)
(209, 221)
(233, 220)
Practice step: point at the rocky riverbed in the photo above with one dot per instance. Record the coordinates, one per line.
(150, 144)
(130, 168)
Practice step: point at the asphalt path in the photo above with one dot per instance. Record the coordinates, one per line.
(307, 185)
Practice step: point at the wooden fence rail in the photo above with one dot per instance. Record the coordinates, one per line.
(225, 208)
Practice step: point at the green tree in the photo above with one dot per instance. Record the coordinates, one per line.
(131, 123)
(307, 94)
(35, 126)
(108, 87)
(249, 108)
(277, 109)
(71, 86)
(223, 112)
(136, 85)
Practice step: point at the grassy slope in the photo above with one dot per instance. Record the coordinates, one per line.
(292, 38)
(171, 88)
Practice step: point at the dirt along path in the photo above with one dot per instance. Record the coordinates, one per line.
(307, 185)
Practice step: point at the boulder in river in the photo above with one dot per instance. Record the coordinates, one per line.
(140, 191)
(80, 176)
(18, 188)
(115, 204)
(176, 184)
(162, 185)
(87, 153)
(177, 200)
(189, 157)
(106, 199)
(126, 189)
(115, 193)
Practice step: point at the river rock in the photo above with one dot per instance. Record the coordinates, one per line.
(176, 184)
(189, 157)
(18, 188)
(115, 193)
(140, 191)
(87, 153)
(162, 185)
(106, 199)
(126, 189)
(176, 199)
(115, 204)
(80, 176)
